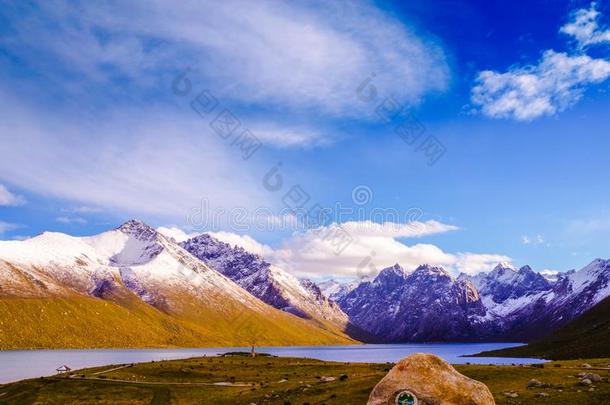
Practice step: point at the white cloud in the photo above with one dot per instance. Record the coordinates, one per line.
(8, 198)
(554, 84)
(71, 220)
(526, 240)
(472, 263)
(295, 55)
(372, 248)
(585, 29)
(288, 136)
(397, 230)
(176, 233)
(244, 241)
(549, 274)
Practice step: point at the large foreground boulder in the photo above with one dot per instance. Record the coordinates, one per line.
(426, 379)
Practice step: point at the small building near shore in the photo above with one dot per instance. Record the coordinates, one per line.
(63, 369)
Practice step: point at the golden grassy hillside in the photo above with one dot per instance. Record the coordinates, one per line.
(85, 322)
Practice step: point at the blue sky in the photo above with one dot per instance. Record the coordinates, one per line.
(98, 127)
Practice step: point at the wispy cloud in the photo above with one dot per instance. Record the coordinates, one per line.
(554, 84)
(532, 240)
(134, 161)
(7, 227)
(585, 29)
(71, 220)
(9, 199)
(293, 55)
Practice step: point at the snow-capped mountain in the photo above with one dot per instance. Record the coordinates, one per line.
(130, 281)
(265, 281)
(426, 304)
(336, 290)
(134, 256)
(505, 282)
(506, 303)
(200, 287)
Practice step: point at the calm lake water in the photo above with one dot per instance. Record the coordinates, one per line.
(21, 364)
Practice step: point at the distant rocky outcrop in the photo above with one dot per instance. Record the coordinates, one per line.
(425, 379)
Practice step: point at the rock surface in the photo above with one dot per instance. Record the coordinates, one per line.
(432, 380)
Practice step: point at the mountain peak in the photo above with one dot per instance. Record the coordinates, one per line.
(435, 270)
(138, 229)
(504, 266)
(391, 274)
(525, 270)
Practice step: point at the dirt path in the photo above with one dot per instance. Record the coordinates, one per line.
(112, 369)
(216, 384)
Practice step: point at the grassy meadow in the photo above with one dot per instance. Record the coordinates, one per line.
(272, 380)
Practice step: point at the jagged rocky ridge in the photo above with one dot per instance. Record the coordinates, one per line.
(265, 281)
(428, 304)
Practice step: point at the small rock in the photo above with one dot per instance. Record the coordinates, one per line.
(542, 394)
(283, 380)
(511, 394)
(586, 365)
(534, 383)
(432, 381)
(327, 379)
(585, 381)
(591, 389)
(592, 376)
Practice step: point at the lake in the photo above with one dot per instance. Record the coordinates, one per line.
(21, 364)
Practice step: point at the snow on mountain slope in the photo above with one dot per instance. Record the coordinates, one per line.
(504, 282)
(265, 281)
(508, 304)
(51, 263)
(423, 305)
(336, 290)
(133, 255)
(506, 289)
